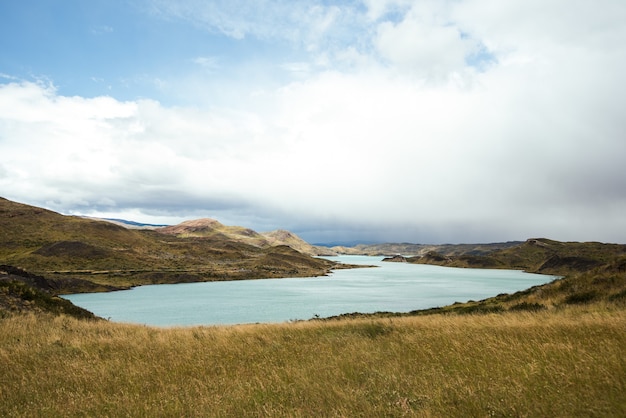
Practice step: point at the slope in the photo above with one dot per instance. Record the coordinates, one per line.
(47, 243)
(593, 273)
(211, 228)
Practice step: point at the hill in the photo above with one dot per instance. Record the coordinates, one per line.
(22, 292)
(282, 237)
(408, 249)
(127, 224)
(536, 255)
(211, 228)
(50, 244)
(592, 273)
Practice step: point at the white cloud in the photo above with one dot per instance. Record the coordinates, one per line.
(533, 24)
(530, 145)
(210, 63)
(295, 21)
(416, 48)
(377, 9)
(425, 42)
(101, 30)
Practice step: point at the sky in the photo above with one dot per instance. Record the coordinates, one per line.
(435, 121)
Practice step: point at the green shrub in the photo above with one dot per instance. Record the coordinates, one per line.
(479, 309)
(618, 297)
(581, 297)
(525, 306)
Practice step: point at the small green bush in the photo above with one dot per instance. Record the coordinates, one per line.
(479, 309)
(581, 297)
(618, 297)
(525, 306)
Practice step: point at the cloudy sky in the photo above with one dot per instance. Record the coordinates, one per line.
(374, 120)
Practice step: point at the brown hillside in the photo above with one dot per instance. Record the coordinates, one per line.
(407, 249)
(210, 228)
(21, 292)
(536, 255)
(283, 237)
(48, 243)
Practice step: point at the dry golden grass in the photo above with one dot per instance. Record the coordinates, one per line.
(568, 362)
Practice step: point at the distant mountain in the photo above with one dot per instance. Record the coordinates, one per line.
(352, 243)
(125, 223)
(133, 224)
(211, 228)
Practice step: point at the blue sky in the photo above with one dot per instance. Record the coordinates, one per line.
(375, 120)
(123, 49)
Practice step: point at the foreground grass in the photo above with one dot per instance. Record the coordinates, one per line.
(569, 362)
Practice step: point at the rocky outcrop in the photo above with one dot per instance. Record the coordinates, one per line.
(396, 259)
(21, 291)
(283, 237)
(53, 286)
(210, 228)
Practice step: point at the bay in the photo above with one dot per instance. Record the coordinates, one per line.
(395, 287)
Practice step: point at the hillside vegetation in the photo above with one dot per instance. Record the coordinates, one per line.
(210, 228)
(591, 272)
(537, 255)
(67, 247)
(417, 250)
(23, 292)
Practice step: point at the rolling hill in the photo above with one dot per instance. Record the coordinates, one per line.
(66, 247)
(211, 228)
(537, 255)
(415, 250)
(591, 273)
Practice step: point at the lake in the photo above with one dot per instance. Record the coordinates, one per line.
(395, 287)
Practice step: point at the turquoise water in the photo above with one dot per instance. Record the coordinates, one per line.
(396, 287)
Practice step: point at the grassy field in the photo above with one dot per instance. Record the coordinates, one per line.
(560, 362)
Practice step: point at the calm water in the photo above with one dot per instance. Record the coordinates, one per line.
(396, 287)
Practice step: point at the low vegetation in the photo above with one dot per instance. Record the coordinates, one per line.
(591, 273)
(390, 249)
(537, 255)
(17, 296)
(68, 247)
